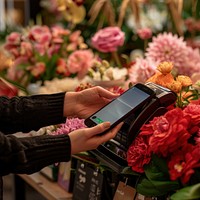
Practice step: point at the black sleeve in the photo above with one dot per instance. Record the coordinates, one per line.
(26, 113)
(29, 155)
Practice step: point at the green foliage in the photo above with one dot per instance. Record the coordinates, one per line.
(187, 193)
(156, 181)
(186, 95)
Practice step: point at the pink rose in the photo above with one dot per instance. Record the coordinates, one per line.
(26, 49)
(144, 33)
(12, 43)
(108, 39)
(57, 34)
(40, 35)
(14, 38)
(80, 61)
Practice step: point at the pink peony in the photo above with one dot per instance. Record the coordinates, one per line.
(41, 35)
(13, 39)
(108, 39)
(79, 62)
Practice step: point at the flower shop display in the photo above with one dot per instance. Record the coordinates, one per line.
(169, 47)
(165, 47)
(116, 44)
(166, 152)
(41, 53)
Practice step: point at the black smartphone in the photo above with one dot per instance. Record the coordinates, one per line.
(122, 107)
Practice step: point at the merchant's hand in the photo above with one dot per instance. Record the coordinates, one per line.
(84, 103)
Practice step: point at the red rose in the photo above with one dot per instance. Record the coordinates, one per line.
(183, 162)
(193, 110)
(138, 154)
(170, 132)
(147, 129)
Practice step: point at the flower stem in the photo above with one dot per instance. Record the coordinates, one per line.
(116, 59)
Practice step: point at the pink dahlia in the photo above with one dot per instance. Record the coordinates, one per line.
(168, 47)
(192, 64)
(142, 70)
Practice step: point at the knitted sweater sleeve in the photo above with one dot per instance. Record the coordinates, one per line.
(26, 113)
(30, 154)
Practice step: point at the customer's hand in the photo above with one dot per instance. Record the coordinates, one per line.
(88, 138)
(84, 103)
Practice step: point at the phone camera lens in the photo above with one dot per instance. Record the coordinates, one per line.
(94, 117)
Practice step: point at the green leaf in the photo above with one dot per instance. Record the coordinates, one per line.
(51, 67)
(157, 169)
(187, 193)
(156, 188)
(129, 171)
(156, 181)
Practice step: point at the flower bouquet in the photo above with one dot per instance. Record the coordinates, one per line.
(166, 154)
(43, 53)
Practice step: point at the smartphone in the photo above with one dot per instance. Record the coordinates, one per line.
(123, 106)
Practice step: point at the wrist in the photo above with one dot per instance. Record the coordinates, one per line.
(69, 104)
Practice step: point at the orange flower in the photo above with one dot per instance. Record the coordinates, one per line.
(184, 80)
(175, 86)
(165, 67)
(165, 80)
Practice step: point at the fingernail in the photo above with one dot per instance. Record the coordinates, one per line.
(106, 124)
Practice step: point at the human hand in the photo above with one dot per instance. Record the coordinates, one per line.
(88, 138)
(84, 103)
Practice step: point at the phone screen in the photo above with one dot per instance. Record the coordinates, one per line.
(119, 107)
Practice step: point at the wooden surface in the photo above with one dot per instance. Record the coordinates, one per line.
(50, 190)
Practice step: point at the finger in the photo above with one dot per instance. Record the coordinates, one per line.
(100, 128)
(112, 133)
(105, 93)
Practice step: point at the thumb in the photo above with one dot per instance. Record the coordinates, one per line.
(99, 128)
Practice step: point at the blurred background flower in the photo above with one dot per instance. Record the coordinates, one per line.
(43, 53)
